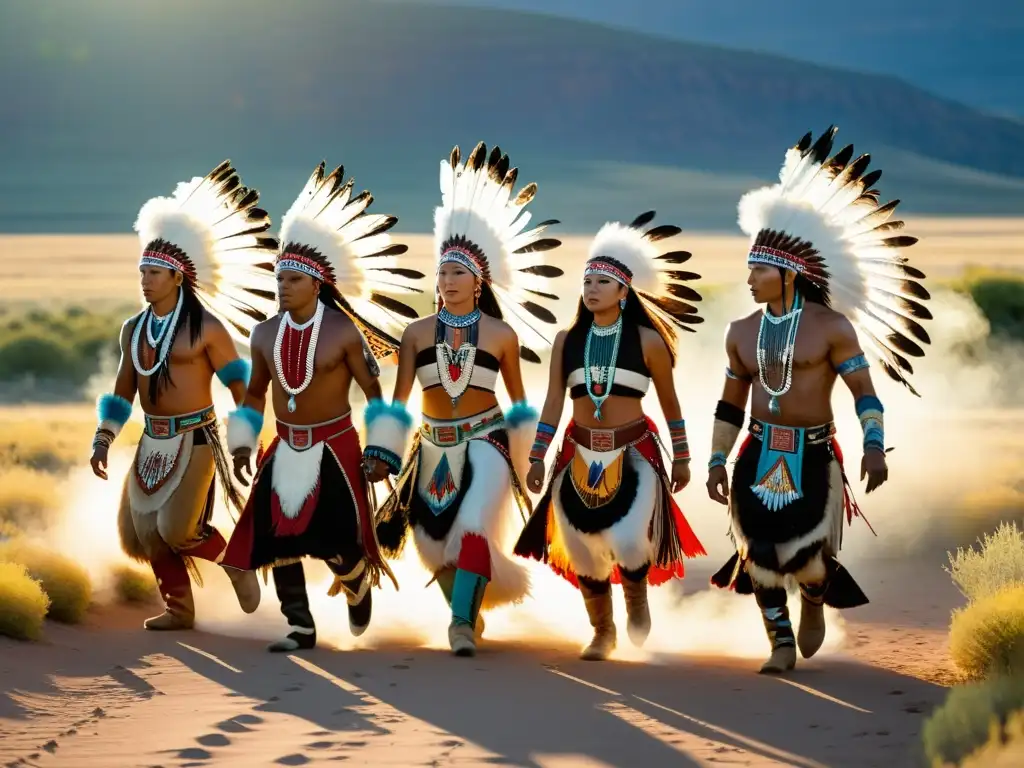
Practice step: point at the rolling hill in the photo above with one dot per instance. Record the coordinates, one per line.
(109, 102)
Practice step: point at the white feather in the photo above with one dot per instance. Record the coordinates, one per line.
(482, 209)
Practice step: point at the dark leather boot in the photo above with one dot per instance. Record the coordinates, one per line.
(290, 583)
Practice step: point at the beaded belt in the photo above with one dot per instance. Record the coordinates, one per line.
(609, 439)
(166, 427)
(301, 437)
(457, 431)
(785, 438)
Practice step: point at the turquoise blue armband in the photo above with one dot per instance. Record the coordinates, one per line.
(869, 411)
(237, 370)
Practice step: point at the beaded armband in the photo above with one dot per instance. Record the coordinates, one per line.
(392, 459)
(869, 411)
(113, 412)
(541, 443)
(680, 447)
(855, 363)
(731, 374)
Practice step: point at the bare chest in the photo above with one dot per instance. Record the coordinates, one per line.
(810, 348)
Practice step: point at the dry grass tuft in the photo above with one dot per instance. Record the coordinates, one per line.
(67, 584)
(998, 563)
(23, 603)
(133, 585)
(987, 637)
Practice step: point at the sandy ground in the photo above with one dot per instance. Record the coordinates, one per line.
(110, 694)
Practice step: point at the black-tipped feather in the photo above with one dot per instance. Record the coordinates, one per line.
(541, 313)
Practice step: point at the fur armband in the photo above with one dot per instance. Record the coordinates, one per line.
(869, 411)
(113, 412)
(238, 369)
(520, 413)
(244, 427)
(728, 423)
(387, 430)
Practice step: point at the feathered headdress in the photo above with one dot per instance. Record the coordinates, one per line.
(629, 254)
(328, 235)
(823, 221)
(211, 231)
(483, 228)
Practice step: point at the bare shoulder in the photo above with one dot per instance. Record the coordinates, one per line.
(129, 325)
(213, 326)
(417, 329)
(499, 328)
(341, 327)
(264, 330)
(560, 338)
(836, 325)
(744, 326)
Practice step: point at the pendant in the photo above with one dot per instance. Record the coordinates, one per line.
(599, 389)
(455, 371)
(291, 404)
(597, 413)
(773, 405)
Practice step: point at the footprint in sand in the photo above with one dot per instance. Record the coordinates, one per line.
(235, 725)
(194, 753)
(292, 760)
(214, 740)
(320, 745)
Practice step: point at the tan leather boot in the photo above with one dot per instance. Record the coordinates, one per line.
(247, 588)
(599, 609)
(638, 613)
(811, 634)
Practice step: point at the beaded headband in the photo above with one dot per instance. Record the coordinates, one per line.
(463, 256)
(598, 267)
(152, 258)
(773, 257)
(297, 262)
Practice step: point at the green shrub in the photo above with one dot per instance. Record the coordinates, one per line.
(133, 585)
(65, 582)
(987, 637)
(970, 716)
(1001, 300)
(23, 603)
(998, 563)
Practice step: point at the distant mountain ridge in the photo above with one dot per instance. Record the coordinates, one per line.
(112, 102)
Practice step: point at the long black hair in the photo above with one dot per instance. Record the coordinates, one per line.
(634, 314)
(808, 290)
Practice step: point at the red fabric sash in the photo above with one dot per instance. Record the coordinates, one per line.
(346, 450)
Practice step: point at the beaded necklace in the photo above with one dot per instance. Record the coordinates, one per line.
(164, 338)
(776, 342)
(295, 361)
(455, 340)
(599, 357)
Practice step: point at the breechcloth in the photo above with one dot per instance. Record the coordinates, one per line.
(309, 499)
(788, 495)
(608, 508)
(454, 494)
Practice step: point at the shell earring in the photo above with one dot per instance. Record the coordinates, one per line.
(622, 303)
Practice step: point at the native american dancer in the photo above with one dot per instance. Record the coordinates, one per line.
(466, 458)
(607, 515)
(200, 250)
(824, 260)
(309, 495)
